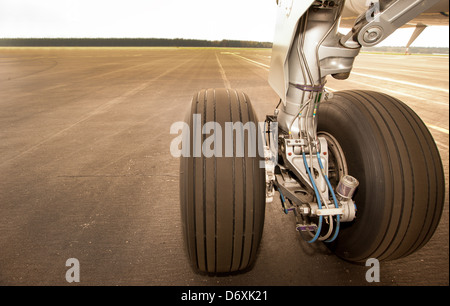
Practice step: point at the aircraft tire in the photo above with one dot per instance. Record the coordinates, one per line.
(402, 186)
(222, 198)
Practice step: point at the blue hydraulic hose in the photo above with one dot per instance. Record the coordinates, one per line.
(338, 218)
(319, 228)
(284, 201)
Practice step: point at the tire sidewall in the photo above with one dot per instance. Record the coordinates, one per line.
(360, 141)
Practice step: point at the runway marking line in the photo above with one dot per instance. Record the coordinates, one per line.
(360, 74)
(440, 144)
(437, 128)
(399, 93)
(223, 74)
(261, 65)
(400, 82)
(446, 131)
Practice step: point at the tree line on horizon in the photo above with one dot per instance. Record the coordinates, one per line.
(177, 42)
(129, 42)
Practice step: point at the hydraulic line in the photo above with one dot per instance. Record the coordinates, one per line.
(299, 114)
(319, 203)
(338, 218)
(283, 201)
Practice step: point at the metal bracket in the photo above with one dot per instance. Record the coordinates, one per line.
(294, 159)
(377, 23)
(346, 210)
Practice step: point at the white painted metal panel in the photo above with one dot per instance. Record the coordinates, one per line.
(288, 15)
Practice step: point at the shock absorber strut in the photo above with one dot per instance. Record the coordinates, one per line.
(315, 53)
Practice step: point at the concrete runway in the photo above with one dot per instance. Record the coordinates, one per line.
(86, 169)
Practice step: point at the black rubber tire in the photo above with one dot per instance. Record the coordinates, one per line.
(402, 186)
(222, 198)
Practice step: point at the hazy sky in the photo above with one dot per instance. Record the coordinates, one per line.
(197, 19)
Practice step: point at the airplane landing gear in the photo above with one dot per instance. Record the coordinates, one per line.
(360, 170)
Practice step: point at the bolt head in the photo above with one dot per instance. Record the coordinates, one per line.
(372, 35)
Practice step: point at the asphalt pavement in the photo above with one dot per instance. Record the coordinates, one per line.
(86, 170)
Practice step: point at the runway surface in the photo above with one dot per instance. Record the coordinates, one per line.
(86, 170)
